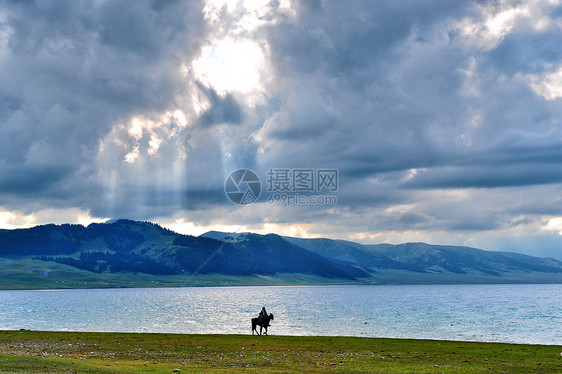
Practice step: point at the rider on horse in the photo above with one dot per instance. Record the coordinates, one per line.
(262, 314)
(262, 321)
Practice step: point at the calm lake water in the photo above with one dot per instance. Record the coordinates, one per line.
(495, 313)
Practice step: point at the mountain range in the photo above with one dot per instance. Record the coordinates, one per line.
(125, 253)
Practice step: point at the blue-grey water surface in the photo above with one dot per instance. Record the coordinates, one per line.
(494, 313)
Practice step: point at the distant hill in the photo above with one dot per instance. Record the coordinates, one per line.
(129, 253)
(218, 235)
(132, 247)
(270, 254)
(428, 259)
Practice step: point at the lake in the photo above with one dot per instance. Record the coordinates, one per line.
(492, 313)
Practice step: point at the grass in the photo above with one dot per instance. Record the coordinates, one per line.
(86, 352)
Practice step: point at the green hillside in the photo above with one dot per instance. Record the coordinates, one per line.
(125, 253)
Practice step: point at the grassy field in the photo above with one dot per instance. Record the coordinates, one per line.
(27, 273)
(34, 274)
(77, 352)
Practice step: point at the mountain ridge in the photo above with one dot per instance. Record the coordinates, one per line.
(127, 249)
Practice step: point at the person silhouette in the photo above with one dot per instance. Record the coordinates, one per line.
(262, 314)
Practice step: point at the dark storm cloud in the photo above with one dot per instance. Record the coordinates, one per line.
(519, 53)
(521, 159)
(370, 118)
(342, 97)
(354, 39)
(222, 109)
(70, 71)
(488, 177)
(31, 180)
(407, 106)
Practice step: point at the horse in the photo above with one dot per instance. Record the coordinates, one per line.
(262, 323)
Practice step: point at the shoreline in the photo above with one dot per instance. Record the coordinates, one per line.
(272, 333)
(233, 284)
(49, 351)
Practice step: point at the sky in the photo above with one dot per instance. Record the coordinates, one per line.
(441, 120)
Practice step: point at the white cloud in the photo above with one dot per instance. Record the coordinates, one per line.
(192, 228)
(135, 129)
(496, 20)
(154, 144)
(231, 65)
(554, 224)
(16, 220)
(236, 57)
(132, 156)
(548, 85)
